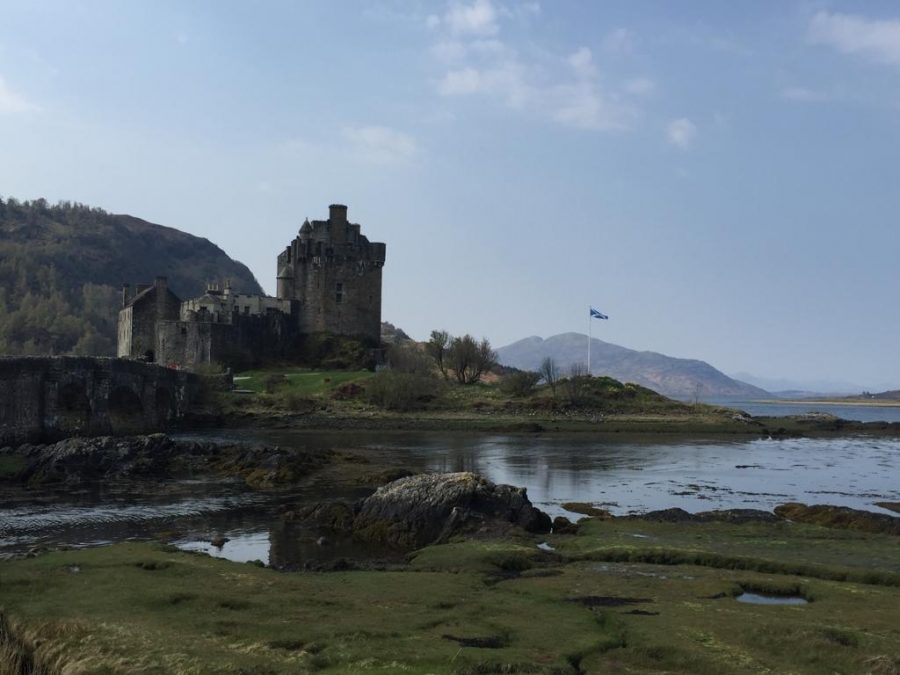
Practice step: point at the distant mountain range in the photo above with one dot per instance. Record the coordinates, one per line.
(673, 377)
(788, 388)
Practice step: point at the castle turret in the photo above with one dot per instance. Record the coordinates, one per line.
(334, 273)
(285, 282)
(337, 222)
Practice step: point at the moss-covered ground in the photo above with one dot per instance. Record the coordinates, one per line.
(668, 606)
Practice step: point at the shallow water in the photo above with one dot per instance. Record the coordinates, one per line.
(856, 413)
(763, 599)
(623, 474)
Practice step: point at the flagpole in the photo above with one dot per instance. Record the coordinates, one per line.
(589, 342)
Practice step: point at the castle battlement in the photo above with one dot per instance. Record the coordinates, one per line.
(334, 272)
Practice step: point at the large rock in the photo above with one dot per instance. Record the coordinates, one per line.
(76, 460)
(429, 508)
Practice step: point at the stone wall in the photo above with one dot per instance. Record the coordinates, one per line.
(248, 340)
(42, 398)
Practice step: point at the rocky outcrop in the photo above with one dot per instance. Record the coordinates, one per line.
(415, 511)
(841, 517)
(156, 457)
(77, 460)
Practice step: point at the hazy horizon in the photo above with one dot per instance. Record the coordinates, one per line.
(717, 178)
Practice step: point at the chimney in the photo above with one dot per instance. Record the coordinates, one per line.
(337, 220)
(125, 294)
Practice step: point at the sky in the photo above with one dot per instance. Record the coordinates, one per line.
(720, 178)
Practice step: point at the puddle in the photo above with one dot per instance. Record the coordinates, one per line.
(763, 599)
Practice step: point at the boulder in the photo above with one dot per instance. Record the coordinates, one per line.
(562, 525)
(430, 508)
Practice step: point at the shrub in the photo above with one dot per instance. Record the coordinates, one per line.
(408, 358)
(393, 390)
(521, 383)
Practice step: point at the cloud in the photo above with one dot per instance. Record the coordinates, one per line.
(583, 106)
(681, 133)
(11, 102)
(582, 63)
(479, 17)
(565, 89)
(381, 145)
(875, 39)
(804, 95)
(619, 41)
(640, 86)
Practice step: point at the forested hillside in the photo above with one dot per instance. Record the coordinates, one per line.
(62, 268)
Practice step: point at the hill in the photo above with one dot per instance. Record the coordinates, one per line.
(678, 378)
(62, 268)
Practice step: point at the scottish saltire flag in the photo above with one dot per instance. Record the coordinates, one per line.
(597, 315)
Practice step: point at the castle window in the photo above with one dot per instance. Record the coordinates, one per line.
(339, 292)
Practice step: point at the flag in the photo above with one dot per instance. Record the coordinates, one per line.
(597, 315)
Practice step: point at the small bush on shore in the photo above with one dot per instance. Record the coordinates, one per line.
(520, 383)
(393, 390)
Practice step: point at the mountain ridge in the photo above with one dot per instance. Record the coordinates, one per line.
(671, 376)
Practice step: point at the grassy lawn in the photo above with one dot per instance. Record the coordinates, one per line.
(472, 607)
(308, 383)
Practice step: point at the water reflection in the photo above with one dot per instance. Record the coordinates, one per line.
(623, 474)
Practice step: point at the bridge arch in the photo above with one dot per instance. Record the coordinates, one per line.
(73, 407)
(126, 410)
(164, 405)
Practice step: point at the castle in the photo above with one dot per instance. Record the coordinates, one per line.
(328, 279)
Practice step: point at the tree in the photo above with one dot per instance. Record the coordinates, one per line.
(469, 359)
(549, 372)
(437, 348)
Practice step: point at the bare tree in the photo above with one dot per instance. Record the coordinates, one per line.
(549, 372)
(437, 348)
(469, 360)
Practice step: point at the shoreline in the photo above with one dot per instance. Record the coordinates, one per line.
(716, 425)
(834, 402)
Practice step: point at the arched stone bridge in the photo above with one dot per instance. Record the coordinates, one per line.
(50, 397)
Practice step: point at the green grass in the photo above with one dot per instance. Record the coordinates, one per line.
(470, 607)
(308, 383)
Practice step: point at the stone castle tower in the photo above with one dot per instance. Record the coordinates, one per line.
(335, 274)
